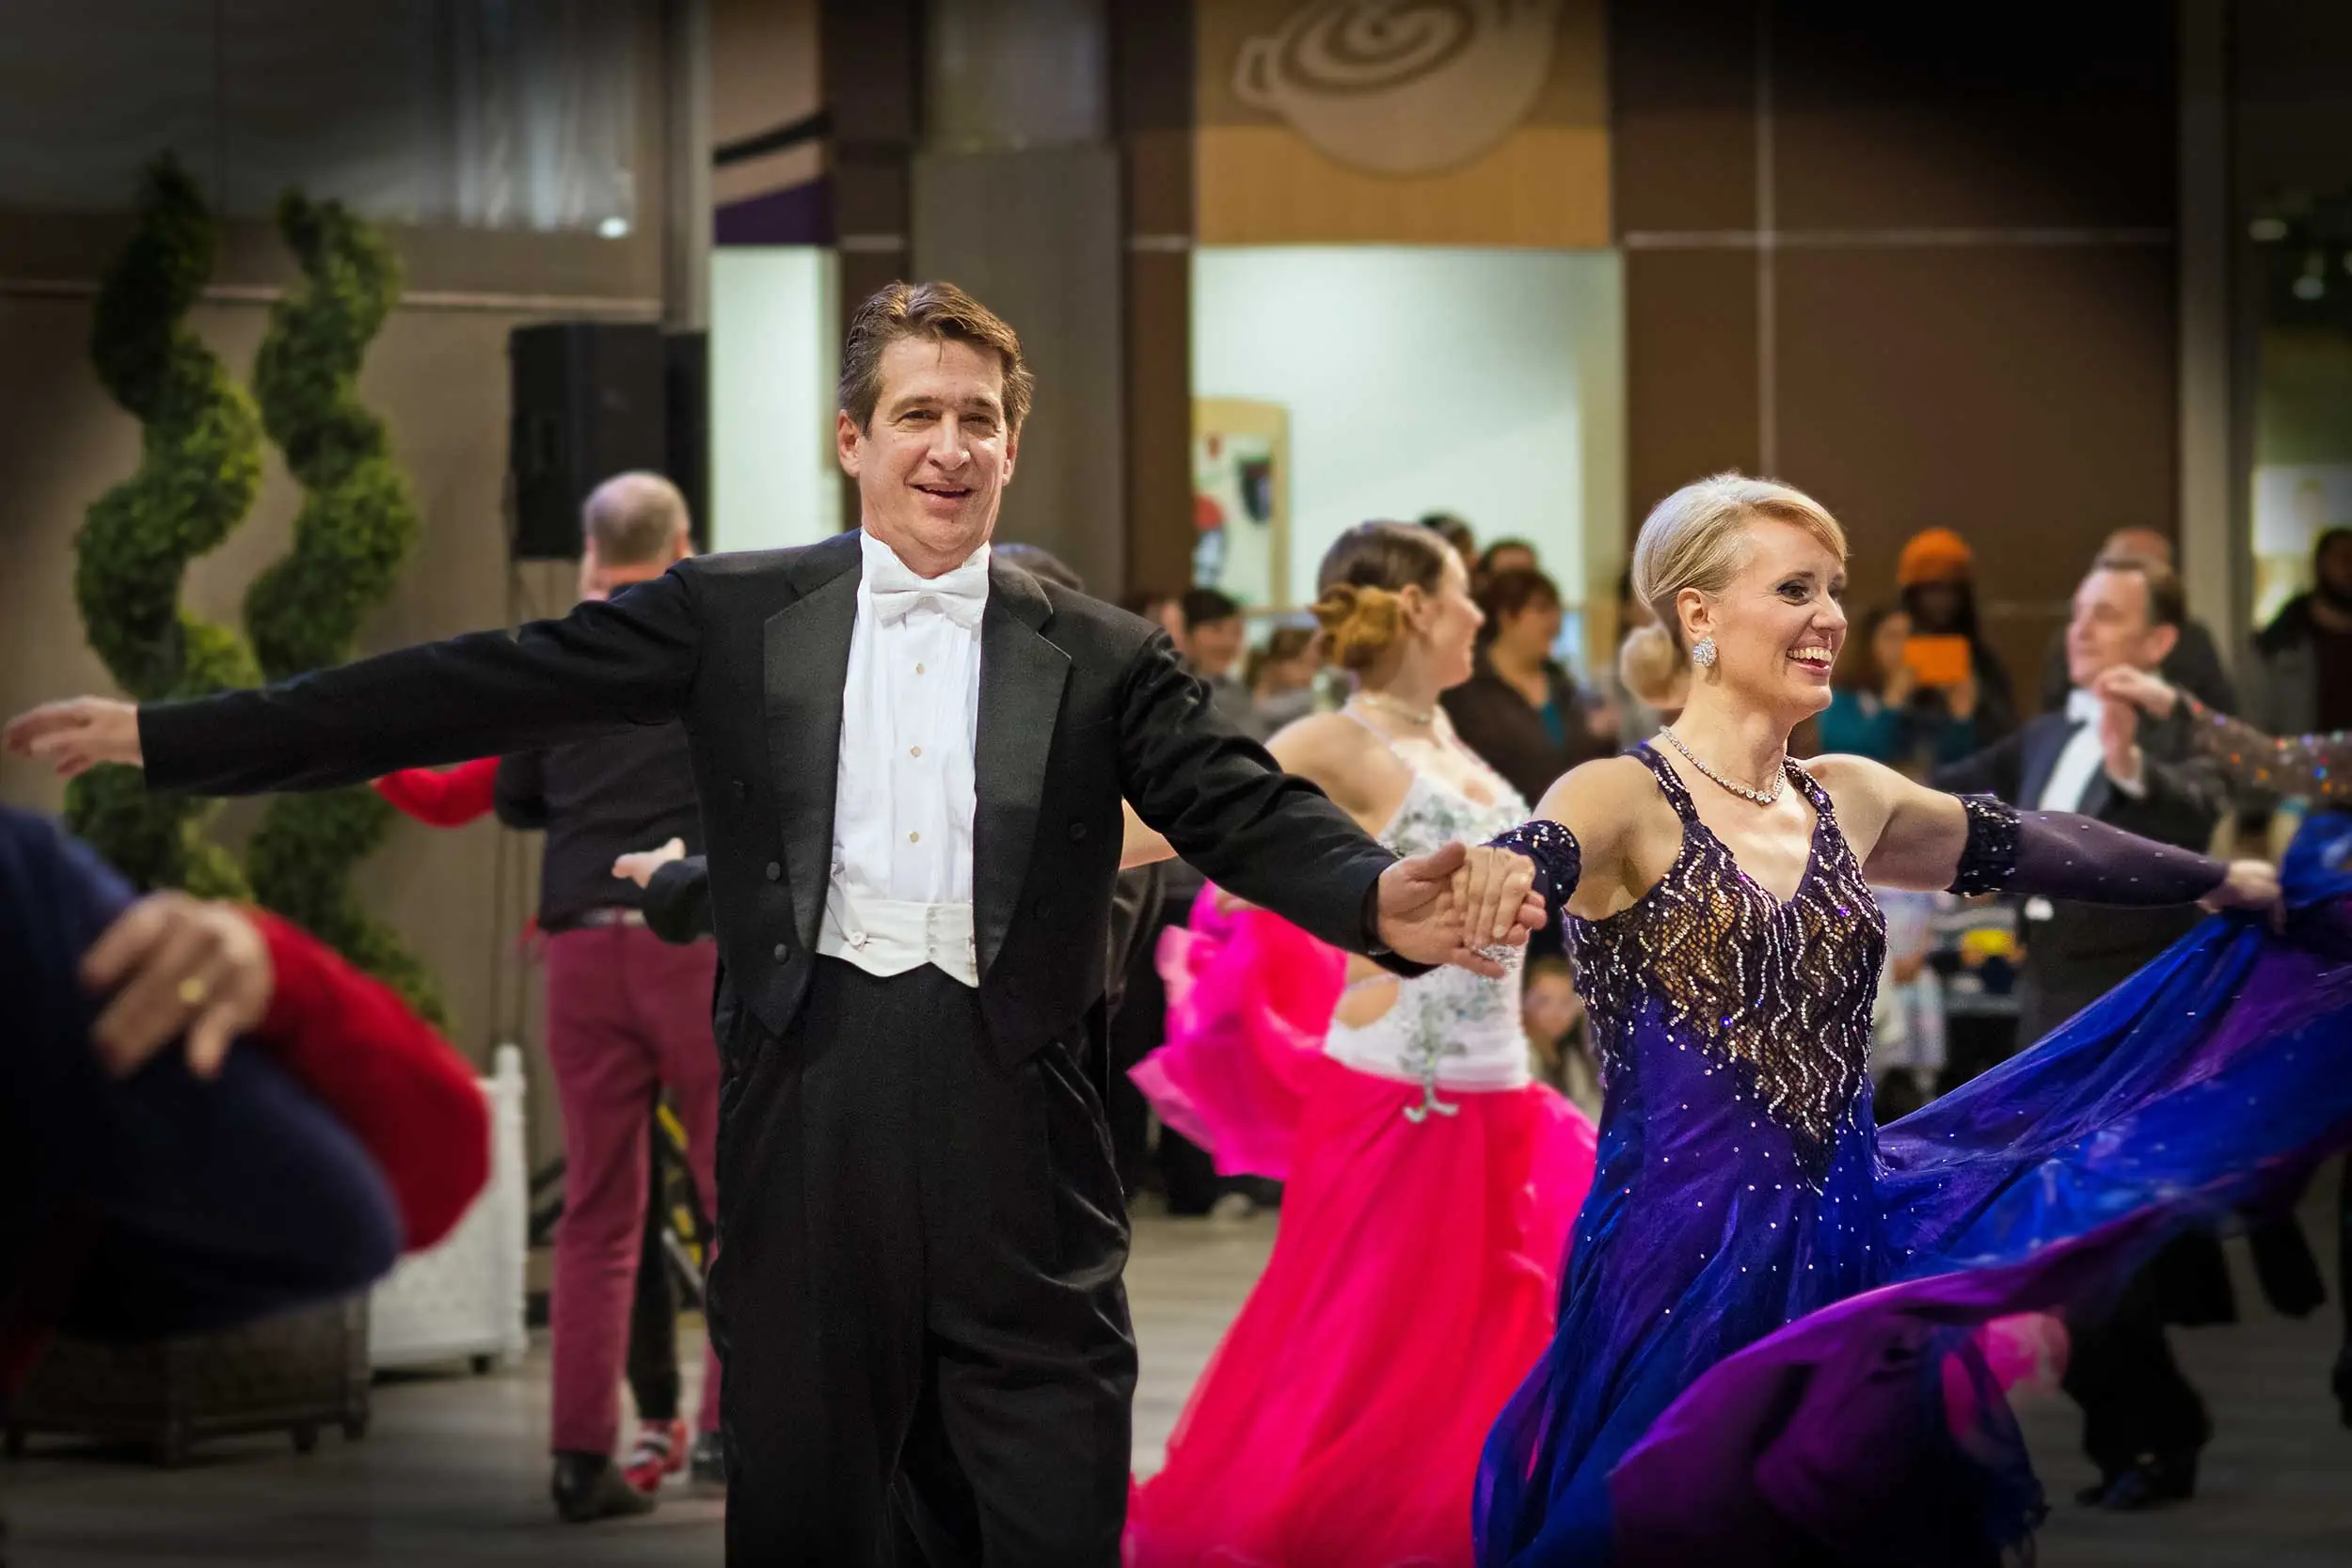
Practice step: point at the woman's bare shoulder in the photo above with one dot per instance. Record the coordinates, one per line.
(1593, 795)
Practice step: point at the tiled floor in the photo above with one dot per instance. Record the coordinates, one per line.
(451, 1474)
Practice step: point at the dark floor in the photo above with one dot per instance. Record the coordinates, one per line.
(453, 1474)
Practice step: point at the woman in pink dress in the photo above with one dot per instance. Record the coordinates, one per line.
(1430, 1180)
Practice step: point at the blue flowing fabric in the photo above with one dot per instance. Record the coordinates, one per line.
(1813, 1393)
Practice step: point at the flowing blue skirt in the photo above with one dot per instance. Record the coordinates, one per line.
(1869, 1431)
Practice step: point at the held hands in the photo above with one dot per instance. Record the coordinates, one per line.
(1426, 911)
(78, 735)
(2152, 694)
(176, 965)
(639, 866)
(2252, 886)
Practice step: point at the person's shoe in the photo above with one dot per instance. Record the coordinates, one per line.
(2095, 1494)
(659, 1451)
(2343, 1383)
(709, 1469)
(589, 1486)
(2152, 1484)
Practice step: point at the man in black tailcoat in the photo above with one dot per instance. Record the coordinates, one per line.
(910, 763)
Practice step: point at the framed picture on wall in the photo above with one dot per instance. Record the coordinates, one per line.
(1241, 500)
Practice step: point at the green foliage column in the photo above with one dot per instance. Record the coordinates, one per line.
(355, 525)
(201, 463)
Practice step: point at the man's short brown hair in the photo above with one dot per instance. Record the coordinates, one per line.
(634, 519)
(941, 312)
(2168, 606)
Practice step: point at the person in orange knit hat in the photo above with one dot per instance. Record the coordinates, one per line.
(1952, 663)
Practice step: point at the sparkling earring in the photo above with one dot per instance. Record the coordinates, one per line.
(1702, 651)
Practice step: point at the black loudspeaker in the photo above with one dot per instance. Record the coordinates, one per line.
(686, 422)
(589, 403)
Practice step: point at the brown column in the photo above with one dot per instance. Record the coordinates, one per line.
(872, 65)
(1151, 104)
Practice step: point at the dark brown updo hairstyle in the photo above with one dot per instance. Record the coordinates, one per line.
(1362, 573)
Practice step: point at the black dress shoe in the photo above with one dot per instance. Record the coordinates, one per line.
(2096, 1492)
(709, 1466)
(2152, 1484)
(589, 1486)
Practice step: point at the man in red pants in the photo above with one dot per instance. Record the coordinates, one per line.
(628, 1016)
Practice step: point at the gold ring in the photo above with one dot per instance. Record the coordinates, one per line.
(193, 990)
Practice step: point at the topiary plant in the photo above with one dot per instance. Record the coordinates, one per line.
(355, 525)
(201, 463)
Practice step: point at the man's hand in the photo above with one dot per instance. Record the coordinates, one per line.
(639, 866)
(2152, 694)
(2252, 885)
(1422, 919)
(78, 735)
(2118, 741)
(176, 965)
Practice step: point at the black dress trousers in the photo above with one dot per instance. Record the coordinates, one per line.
(918, 1302)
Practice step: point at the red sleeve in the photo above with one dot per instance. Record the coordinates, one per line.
(387, 1075)
(442, 798)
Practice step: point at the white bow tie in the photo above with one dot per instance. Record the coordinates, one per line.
(2083, 708)
(961, 594)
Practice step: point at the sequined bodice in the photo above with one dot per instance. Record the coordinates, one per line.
(1774, 995)
(1449, 1027)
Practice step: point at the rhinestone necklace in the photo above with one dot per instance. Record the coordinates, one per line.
(1761, 797)
(1380, 703)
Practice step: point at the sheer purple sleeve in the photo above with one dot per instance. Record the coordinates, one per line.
(2057, 854)
(2318, 765)
(1559, 860)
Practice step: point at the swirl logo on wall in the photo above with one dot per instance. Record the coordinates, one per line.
(1402, 86)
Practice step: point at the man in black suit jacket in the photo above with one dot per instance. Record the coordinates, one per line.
(2143, 1423)
(2103, 760)
(910, 763)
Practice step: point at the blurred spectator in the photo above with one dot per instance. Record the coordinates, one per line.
(1214, 637)
(2301, 682)
(156, 1178)
(1457, 533)
(1281, 677)
(1620, 718)
(1872, 712)
(1936, 574)
(1165, 610)
(1520, 710)
(1907, 1030)
(1552, 1014)
(1503, 555)
(2195, 663)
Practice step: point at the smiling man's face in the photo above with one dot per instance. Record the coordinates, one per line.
(932, 464)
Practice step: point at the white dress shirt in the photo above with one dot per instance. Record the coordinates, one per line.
(2082, 758)
(2077, 765)
(904, 791)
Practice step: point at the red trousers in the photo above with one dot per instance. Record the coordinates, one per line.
(627, 1015)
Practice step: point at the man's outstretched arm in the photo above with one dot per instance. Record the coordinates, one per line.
(630, 661)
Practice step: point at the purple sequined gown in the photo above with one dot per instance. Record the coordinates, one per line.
(1767, 1351)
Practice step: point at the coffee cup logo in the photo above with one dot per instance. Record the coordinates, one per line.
(1402, 86)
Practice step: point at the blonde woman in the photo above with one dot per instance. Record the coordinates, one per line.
(1430, 1181)
(1767, 1348)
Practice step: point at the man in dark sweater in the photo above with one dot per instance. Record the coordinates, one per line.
(628, 1016)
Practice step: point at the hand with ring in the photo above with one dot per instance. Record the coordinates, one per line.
(172, 965)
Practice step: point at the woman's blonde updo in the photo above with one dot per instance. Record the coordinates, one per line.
(1357, 588)
(1698, 538)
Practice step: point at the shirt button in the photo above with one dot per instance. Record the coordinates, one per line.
(914, 838)
(857, 939)
(918, 669)
(782, 952)
(914, 751)
(774, 871)
(1077, 832)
